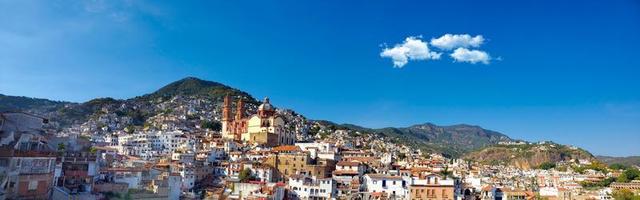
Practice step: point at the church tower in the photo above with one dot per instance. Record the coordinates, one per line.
(226, 118)
(226, 106)
(239, 110)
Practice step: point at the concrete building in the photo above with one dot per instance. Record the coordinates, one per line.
(392, 186)
(305, 187)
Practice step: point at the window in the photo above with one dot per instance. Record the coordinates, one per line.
(33, 185)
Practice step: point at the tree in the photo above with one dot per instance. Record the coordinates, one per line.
(625, 194)
(212, 125)
(446, 173)
(245, 175)
(61, 147)
(623, 178)
(629, 175)
(561, 168)
(618, 166)
(402, 156)
(130, 128)
(547, 165)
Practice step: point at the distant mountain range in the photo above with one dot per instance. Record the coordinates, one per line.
(629, 160)
(451, 140)
(454, 140)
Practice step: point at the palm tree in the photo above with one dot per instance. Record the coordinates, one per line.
(446, 173)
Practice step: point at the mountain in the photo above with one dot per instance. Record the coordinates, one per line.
(65, 114)
(628, 161)
(527, 155)
(191, 86)
(17, 103)
(452, 140)
(199, 100)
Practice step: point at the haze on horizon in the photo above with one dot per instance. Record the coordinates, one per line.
(533, 70)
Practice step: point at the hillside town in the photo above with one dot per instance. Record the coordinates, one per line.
(193, 148)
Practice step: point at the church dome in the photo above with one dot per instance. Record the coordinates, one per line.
(265, 105)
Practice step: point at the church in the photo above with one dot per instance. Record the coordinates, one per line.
(265, 128)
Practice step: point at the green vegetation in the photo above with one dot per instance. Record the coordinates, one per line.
(130, 128)
(324, 135)
(61, 147)
(541, 156)
(625, 177)
(562, 168)
(192, 86)
(245, 175)
(547, 165)
(402, 156)
(604, 183)
(629, 175)
(625, 194)
(618, 166)
(211, 125)
(626, 161)
(15, 103)
(446, 173)
(451, 141)
(597, 166)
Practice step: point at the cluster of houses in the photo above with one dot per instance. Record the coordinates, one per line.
(257, 156)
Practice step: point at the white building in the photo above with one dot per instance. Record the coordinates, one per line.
(393, 186)
(304, 187)
(320, 150)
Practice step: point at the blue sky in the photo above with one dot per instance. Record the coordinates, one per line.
(562, 71)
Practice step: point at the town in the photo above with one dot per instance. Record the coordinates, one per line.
(203, 149)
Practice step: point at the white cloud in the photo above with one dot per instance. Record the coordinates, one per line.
(471, 56)
(449, 41)
(413, 48)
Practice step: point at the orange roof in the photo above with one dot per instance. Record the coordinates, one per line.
(348, 163)
(286, 148)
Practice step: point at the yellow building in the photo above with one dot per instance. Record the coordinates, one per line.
(290, 160)
(263, 128)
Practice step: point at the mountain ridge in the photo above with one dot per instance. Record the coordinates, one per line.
(451, 140)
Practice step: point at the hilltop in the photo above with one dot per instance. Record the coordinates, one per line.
(528, 155)
(191, 86)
